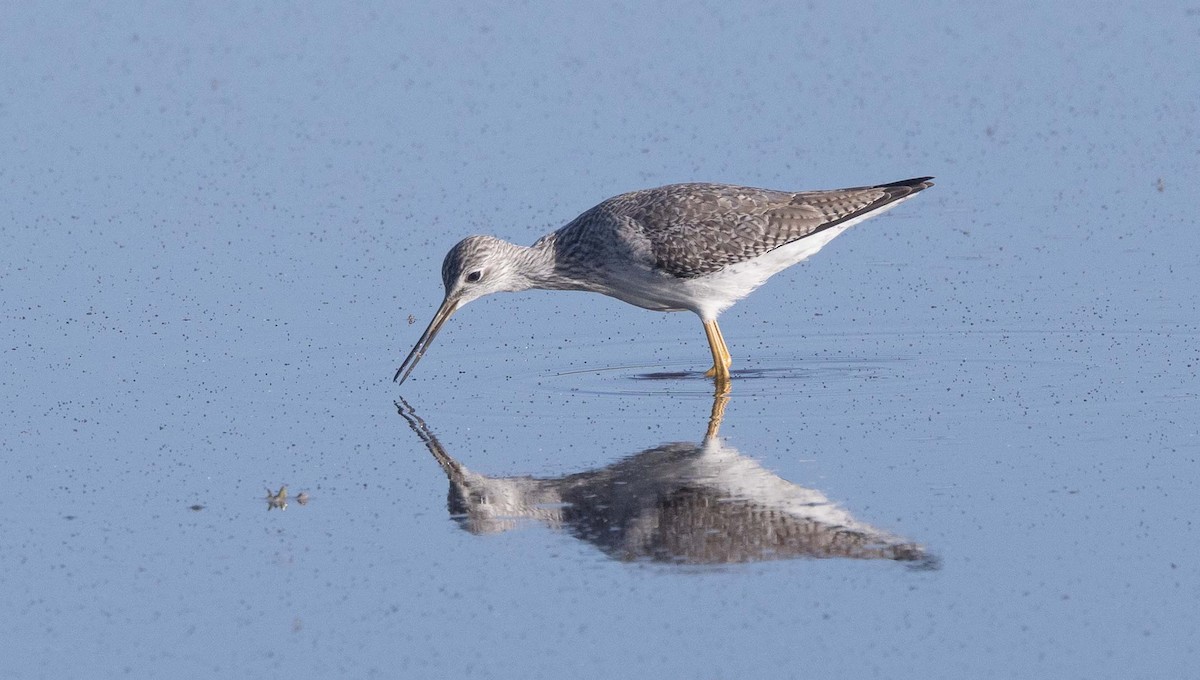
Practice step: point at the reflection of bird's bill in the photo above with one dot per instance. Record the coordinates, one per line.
(449, 305)
(452, 468)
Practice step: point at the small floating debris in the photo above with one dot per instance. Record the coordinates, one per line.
(277, 499)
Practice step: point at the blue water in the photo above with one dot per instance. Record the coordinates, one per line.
(221, 229)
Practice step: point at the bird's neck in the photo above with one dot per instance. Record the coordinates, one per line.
(539, 264)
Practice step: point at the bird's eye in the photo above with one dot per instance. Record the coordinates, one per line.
(474, 277)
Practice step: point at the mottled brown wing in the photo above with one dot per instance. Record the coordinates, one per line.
(697, 229)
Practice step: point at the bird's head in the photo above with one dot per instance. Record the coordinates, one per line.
(481, 265)
(474, 267)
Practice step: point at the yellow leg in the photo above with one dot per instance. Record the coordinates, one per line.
(724, 348)
(721, 357)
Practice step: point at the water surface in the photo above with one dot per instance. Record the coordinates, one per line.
(222, 228)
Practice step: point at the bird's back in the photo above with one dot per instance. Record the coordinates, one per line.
(690, 230)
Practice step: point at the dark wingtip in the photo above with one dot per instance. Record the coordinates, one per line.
(913, 185)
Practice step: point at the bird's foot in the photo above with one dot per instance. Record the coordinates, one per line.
(719, 372)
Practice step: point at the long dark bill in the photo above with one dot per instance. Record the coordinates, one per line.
(418, 350)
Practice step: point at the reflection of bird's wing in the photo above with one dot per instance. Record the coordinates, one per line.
(711, 505)
(698, 526)
(697, 229)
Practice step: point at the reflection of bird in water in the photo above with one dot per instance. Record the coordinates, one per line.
(683, 503)
(683, 247)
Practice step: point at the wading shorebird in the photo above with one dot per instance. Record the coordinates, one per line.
(681, 247)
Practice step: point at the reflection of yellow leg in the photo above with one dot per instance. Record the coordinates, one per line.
(721, 358)
(720, 401)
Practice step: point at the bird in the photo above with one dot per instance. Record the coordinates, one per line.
(694, 247)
